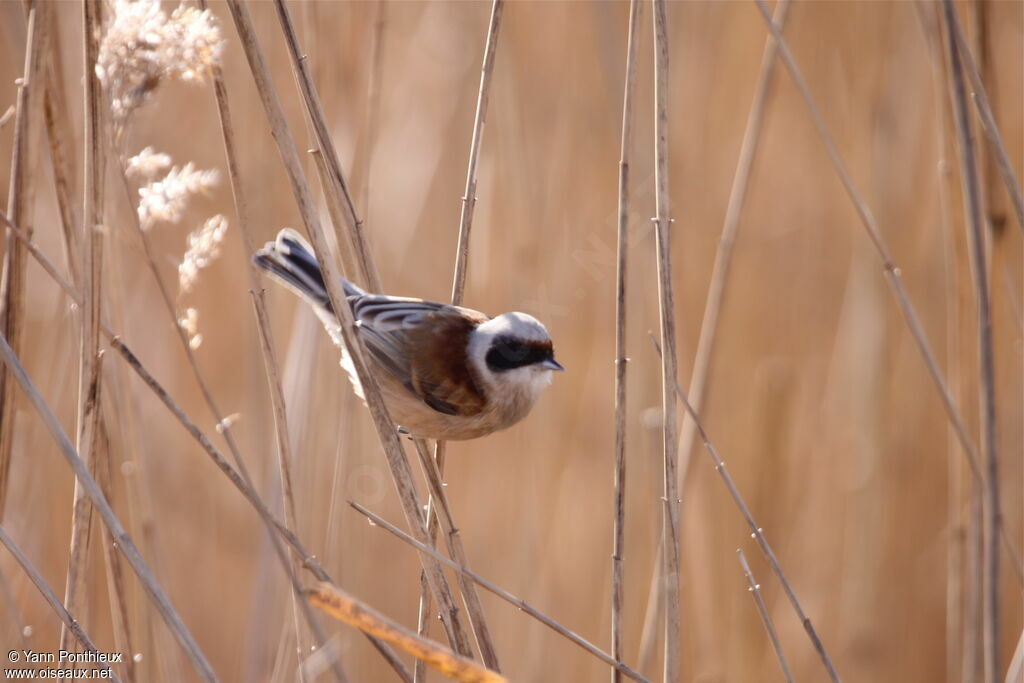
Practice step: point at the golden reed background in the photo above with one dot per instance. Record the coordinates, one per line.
(819, 401)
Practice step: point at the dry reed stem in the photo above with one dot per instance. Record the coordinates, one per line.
(59, 133)
(347, 608)
(519, 603)
(892, 273)
(719, 278)
(118, 594)
(453, 540)
(762, 610)
(955, 593)
(92, 271)
(48, 595)
(663, 222)
(396, 458)
(335, 210)
(619, 524)
(730, 228)
(284, 452)
(335, 187)
(367, 141)
(986, 357)
(7, 116)
(113, 524)
(459, 287)
(757, 532)
(19, 208)
(469, 197)
(988, 121)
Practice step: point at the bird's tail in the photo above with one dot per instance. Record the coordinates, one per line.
(290, 259)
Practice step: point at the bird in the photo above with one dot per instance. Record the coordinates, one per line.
(445, 372)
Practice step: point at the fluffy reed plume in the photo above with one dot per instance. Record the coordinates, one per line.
(189, 322)
(146, 164)
(165, 199)
(203, 249)
(143, 46)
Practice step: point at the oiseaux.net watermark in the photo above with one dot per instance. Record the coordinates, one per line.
(61, 664)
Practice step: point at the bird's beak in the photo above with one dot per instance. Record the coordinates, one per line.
(552, 364)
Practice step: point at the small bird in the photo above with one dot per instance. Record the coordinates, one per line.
(446, 372)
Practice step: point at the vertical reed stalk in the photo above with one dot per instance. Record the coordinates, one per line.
(284, 455)
(619, 523)
(673, 636)
(116, 589)
(469, 197)
(335, 187)
(92, 269)
(988, 122)
(986, 357)
(453, 541)
(19, 211)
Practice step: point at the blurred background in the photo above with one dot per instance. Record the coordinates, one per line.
(817, 398)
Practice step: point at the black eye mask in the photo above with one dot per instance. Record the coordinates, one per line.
(507, 353)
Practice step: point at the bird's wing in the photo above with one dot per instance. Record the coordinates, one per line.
(423, 345)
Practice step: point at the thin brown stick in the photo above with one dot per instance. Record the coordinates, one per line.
(367, 141)
(986, 359)
(118, 593)
(7, 116)
(469, 197)
(956, 595)
(619, 524)
(988, 120)
(49, 596)
(19, 208)
(892, 273)
(92, 268)
(349, 609)
(730, 229)
(762, 610)
(392, 447)
(663, 222)
(519, 603)
(117, 532)
(61, 137)
(284, 451)
(335, 186)
(757, 532)
(453, 540)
